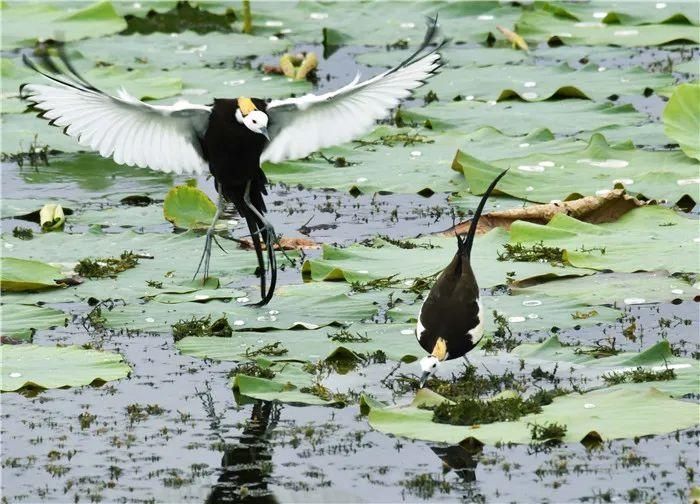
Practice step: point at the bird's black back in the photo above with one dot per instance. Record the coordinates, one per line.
(451, 309)
(233, 153)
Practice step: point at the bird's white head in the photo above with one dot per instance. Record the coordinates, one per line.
(248, 115)
(428, 365)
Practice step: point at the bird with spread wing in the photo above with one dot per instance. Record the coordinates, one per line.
(230, 137)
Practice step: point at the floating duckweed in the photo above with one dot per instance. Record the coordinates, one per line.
(239, 322)
(610, 163)
(530, 95)
(472, 411)
(532, 302)
(589, 406)
(531, 168)
(546, 164)
(202, 326)
(15, 375)
(633, 301)
(529, 84)
(516, 318)
(107, 267)
(242, 300)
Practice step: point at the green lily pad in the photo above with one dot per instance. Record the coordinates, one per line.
(307, 306)
(17, 275)
(526, 313)
(169, 51)
(21, 321)
(49, 21)
(57, 367)
(669, 241)
(595, 169)
(657, 357)
(540, 25)
(520, 118)
(627, 13)
(537, 83)
(619, 413)
(682, 119)
(284, 387)
(459, 56)
(406, 160)
(397, 341)
(615, 288)
(188, 207)
(174, 259)
(360, 263)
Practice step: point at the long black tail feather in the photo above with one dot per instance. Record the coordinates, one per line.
(465, 244)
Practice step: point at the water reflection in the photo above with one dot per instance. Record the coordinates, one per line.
(247, 464)
(462, 459)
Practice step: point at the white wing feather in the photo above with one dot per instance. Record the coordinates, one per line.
(300, 126)
(160, 137)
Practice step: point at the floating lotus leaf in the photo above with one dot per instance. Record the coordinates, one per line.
(47, 21)
(520, 118)
(669, 241)
(540, 25)
(615, 288)
(21, 321)
(285, 387)
(596, 168)
(164, 258)
(619, 413)
(186, 49)
(56, 367)
(294, 306)
(627, 13)
(188, 207)
(397, 341)
(360, 263)
(17, 275)
(536, 83)
(682, 119)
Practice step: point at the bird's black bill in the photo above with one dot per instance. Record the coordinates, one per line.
(424, 378)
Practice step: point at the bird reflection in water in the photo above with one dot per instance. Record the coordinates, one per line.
(462, 458)
(247, 464)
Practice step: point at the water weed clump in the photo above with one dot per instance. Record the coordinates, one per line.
(272, 349)
(202, 326)
(537, 252)
(639, 375)
(23, 233)
(547, 432)
(107, 267)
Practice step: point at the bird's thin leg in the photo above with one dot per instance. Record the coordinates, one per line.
(206, 253)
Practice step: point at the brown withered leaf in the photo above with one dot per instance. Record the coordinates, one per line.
(593, 209)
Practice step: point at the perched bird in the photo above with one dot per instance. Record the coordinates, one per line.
(451, 319)
(231, 137)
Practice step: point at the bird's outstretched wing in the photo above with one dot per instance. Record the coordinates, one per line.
(163, 138)
(300, 126)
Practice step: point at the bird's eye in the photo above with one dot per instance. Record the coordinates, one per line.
(255, 122)
(434, 364)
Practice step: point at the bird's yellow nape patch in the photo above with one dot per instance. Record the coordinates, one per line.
(246, 105)
(440, 349)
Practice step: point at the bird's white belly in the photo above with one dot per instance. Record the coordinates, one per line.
(419, 326)
(477, 332)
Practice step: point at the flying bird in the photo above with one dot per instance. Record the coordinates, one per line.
(230, 137)
(451, 319)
